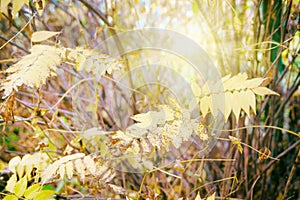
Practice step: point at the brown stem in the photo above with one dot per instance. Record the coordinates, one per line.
(14, 44)
(118, 43)
(286, 189)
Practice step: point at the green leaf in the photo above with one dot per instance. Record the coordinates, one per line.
(40, 36)
(10, 197)
(31, 191)
(44, 194)
(20, 187)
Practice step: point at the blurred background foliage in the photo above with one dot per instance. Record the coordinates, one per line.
(259, 37)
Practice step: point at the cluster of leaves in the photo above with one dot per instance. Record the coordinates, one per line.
(154, 130)
(24, 181)
(34, 69)
(231, 94)
(91, 172)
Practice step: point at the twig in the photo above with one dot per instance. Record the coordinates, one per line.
(118, 43)
(13, 37)
(291, 92)
(280, 155)
(14, 44)
(252, 187)
(286, 189)
(97, 12)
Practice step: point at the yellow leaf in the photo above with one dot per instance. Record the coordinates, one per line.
(71, 157)
(10, 197)
(252, 83)
(3, 5)
(17, 5)
(205, 104)
(20, 187)
(44, 195)
(93, 61)
(80, 169)
(33, 69)
(198, 197)
(90, 164)
(215, 105)
(40, 36)
(11, 183)
(237, 24)
(244, 102)
(49, 172)
(237, 142)
(144, 119)
(13, 163)
(31, 191)
(20, 170)
(284, 57)
(196, 89)
(52, 169)
(212, 197)
(27, 165)
(240, 148)
(234, 140)
(195, 8)
(117, 189)
(62, 171)
(69, 169)
(228, 104)
(236, 107)
(235, 82)
(262, 91)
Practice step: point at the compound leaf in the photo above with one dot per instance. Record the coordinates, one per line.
(33, 69)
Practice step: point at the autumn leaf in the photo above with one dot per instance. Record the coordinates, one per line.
(237, 142)
(262, 91)
(92, 61)
(265, 153)
(198, 197)
(32, 191)
(69, 169)
(11, 183)
(33, 69)
(10, 197)
(20, 187)
(44, 194)
(40, 36)
(212, 197)
(17, 5)
(51, 170)
(231, 95)
(3, 4)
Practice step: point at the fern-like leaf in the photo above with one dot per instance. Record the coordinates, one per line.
(92, 61)
(230, 95)
(33, 69)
